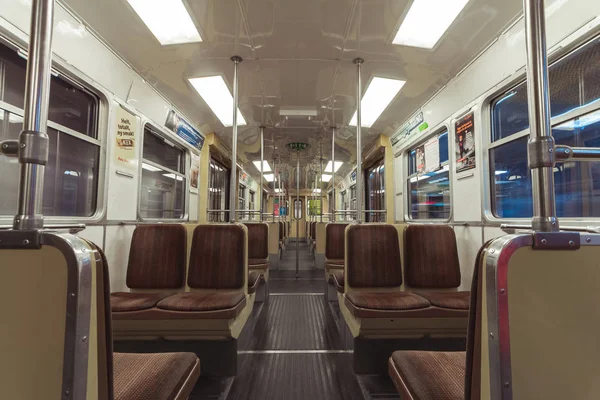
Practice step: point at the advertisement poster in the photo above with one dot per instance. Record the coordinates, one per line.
(184, 130)
(194, 173)
(465, 143)
(420, 156)
(126, 141)
(432, 155)
(276, 206)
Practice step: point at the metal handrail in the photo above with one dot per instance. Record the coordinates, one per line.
(510, 228)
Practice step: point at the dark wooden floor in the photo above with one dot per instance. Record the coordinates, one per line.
(291, 347)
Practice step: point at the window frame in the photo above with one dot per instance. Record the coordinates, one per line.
(75, 78)
(437, 131)
(486, 109)
(165, 135)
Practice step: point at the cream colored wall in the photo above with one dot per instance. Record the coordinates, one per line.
(203, 179)
(389, 179)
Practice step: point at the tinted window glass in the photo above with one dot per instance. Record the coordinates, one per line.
(162, 151)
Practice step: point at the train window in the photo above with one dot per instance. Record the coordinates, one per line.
(429, 183)
(163, 178)
(574, 83)
(577, 184)
(375, 193)
(218, 195)
(71, 106)
(71, 175)
(242, 200)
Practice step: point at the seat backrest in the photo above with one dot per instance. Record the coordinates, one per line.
(157, 257)
(218, 257)
(334, 241)
(258, 240)
(540, 296)
(431, 257)
(372, 256)
(313, 230)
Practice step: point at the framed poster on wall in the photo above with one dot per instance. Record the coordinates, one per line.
(464, 130)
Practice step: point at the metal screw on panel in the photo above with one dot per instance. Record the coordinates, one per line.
(491, 334)
(571, 243)
(72, 294)
(502, 291)
(544, 241)
(84, 339)
(550, 150)
(23, 145)
(506, 384)
(492, 251)
(67, 393)
(589, 240)
(25, 241)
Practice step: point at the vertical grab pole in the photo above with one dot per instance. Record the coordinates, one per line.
(321, 180)
(333, 170)
(33, 140)
(262, 162)
(540, 148)
(299, 214)
(233, 185)
(359, 194)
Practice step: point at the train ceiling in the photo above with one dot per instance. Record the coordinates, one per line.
(297, 56)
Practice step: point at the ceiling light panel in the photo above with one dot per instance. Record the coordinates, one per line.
(269, 177)
(377, 98)
(216, 95)
(266, 166)
(338, 164)
(168, 20)
(427, 21)
(325, 178)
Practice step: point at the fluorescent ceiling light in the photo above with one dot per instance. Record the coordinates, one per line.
(150, 168)
(325, 177)
(173, 176)
(278, 190)
(501, 172)
(216, 94)
(317, 191)
(427, 21)
(168, 20)
(266, 167)
(338, 164)
(269, 177)
(298, 111)
(377, 98)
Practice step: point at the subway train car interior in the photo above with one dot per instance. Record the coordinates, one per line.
(299, 199)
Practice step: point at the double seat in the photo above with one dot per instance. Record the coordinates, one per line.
(258, 255)
(335, 255)
(187, 282)
(381, 297)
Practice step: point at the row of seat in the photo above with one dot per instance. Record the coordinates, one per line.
(416, 297)
(202, 276)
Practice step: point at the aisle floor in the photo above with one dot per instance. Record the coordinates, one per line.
(291, 347)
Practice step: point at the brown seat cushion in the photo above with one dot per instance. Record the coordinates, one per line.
(125, 301)
(157, 257)
(253, 280)
(387, 300)
(258, 240)
(334, 242)
(422, 375)
(334, 262)
(195, 301)
(431, 257)
(158, 376)
(258, 262)
(454, 300)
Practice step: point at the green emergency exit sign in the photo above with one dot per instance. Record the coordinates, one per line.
(298, 146)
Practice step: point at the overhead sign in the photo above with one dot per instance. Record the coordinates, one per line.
(298, 146)
(414, 125)
(126, 140)
(184, 130)
(353, 176)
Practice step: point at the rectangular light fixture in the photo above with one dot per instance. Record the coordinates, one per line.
(269, 177)
(277, 190)
(168, 20)
(317, 190)
(173, 176)
(298, 111)
(338, 164)
(427, 21)
(150, 168)
(266, 166)
(216, 94)
(377, 98)
(325, 177)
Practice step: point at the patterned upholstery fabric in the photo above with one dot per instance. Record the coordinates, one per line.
(194, 301)
(431, 257)
(217, 257)
(387, 300)
(258, 241)
(157, 257)
(281, 230)
(375, 260)
(253, 280)
(454, 300)
(431, 375)
(158, 376)
(334, 242)
(125, 301)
